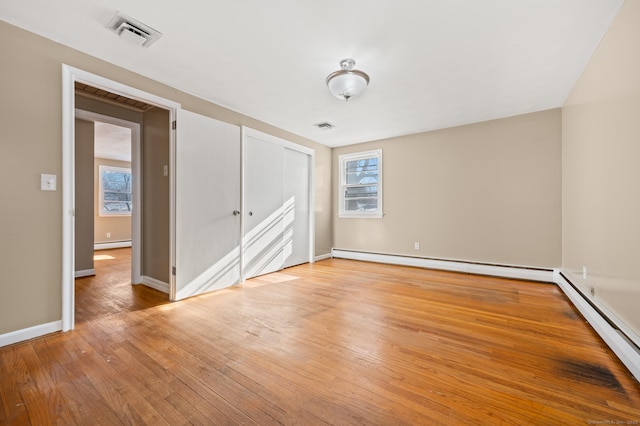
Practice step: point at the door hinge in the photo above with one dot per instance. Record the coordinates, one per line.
(173, 270)
(174, 125)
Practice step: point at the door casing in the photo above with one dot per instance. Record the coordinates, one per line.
(70, 76)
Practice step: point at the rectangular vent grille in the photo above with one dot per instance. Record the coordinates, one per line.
(324, 125)
(133, 31)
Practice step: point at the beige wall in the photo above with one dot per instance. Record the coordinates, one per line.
(84, 145)
(118, 226)
(94, 105)
(487, 192)
(156, 259)
(601, 171)
(31, 122)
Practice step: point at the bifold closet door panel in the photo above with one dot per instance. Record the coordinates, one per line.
(263, 207)
(207, 240)
(296, 207)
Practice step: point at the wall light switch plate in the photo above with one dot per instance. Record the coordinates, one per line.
(48, 182)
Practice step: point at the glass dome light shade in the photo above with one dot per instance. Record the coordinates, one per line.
(345, 84)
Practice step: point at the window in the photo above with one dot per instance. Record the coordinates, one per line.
(115, 190)
(361, 184)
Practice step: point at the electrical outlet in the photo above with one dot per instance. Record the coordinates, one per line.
(416, 245)
(584, 272)
(108, 234)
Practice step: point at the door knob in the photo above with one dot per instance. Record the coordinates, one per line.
(250, 213)
(236, 212)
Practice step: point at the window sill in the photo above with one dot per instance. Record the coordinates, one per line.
(360, 215)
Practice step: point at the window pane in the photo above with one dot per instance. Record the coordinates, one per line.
(361, 191)
(362, 165)
(360, 185)
(116, 196)
(116, 181)
(117, 207)
(361, 205)
(363, 171)
(115, 191)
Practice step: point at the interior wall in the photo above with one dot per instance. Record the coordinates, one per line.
(119, 227)
(110, 110)
(486, 192)
(601, 172)
(84, 225)
(31, 119)
(156, 254)
(323, 201)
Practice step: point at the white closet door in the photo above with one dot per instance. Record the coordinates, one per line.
(263, 210)
(207, 251)
(296, 207)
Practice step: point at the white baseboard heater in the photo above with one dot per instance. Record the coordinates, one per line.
(111, 245)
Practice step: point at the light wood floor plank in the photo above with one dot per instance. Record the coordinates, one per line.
(336, 342)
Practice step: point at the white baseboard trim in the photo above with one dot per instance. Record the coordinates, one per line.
(154, 283)
(85, 273)
(506, 271)
(619, 344)
(29, 333)
(323, 257)
(115, 244)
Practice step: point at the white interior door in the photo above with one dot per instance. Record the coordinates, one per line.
(296, 207)
(207, 228)
(263, 209)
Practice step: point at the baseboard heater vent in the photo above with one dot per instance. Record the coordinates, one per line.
(620, 343)
(506, 271)
(111, 245)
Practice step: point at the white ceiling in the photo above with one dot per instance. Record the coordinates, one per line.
(433, 63)
(112, 142)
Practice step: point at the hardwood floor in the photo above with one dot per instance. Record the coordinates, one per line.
(336, 342)
(110, 291)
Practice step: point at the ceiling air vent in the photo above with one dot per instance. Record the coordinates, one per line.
(133, 31)
(324, 125)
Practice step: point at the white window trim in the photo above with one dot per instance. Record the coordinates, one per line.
(101, 168)
(342, 160)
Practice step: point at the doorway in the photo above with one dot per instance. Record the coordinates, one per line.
(71, 76)
(107, 217)
(108, 188)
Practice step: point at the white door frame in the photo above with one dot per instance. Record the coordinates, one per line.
(70, 75)
(136, 196)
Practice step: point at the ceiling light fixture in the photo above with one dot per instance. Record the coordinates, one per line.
(347, 82)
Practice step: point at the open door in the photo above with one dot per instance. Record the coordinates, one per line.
(207, 200)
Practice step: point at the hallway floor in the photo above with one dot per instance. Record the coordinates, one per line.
(110, 291)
